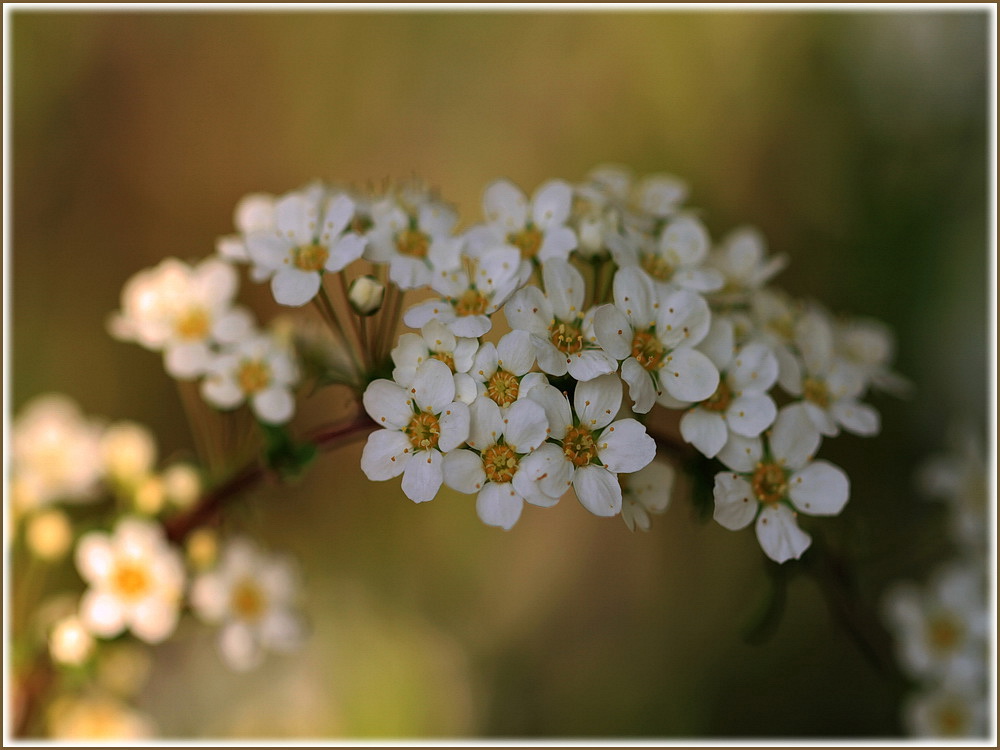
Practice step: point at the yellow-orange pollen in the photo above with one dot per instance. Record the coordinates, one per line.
(499, 463)
(253, 376)
(446, 358)
(247, 600)
(943, 634)
(310, 257)
(720, 400)
(413, 242)
(193, 324)
(528, 241)
(648, 350)
(657, 266)
(579, 446)
(502, 387)
(423, 431)
(770, 483)
(568, 338)
(472, 302)
(131, 581)
(816, 391)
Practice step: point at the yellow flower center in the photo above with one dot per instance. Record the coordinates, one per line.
(310, 257)
(720, 400)
(413, 242)
(247, 600)
(131, 581)
(472, 302)
(648, 350)
(499, 463)
(579, 446)
(193, 325)
(769, 482)
(567, 337)
(943, 634)
(952, 721)
(528, 241)
(446, 358)
(254, 375)
(657, 266)
(423, 431)
(502, 388)
(816, 391)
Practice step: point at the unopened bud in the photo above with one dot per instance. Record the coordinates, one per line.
(365, 295)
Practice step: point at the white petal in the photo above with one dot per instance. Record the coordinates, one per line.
(505, 205)
(751, 415)
(564, 287)
(94, 556)
(388, 404)
(548, 468)
(684, 242)
(641, 387)
(485, 423)
(422, 313)
(735, 504)
(557, 244)
(551, 204)
(297, 218)
(530, 488)
(102, 613)
(683, 318)
(719, 343)
(754, 368)
(557, 409)
(525, 426)
(267, 249)
(550, 359)
(274, 405)
(154, 619)
(454, 423)
(779, 535)
(385, 455)
(598, 490)
(433, 386)
(740, 453)
(221, 392)
(794, 438)
(597, 401)
(688, 375)
(699, 279)
(239, 648)
(814, 336)
(347, 249)
(423, 476)
(705, 430)
(515, 353)
(625, 447)
(613, 331)
(499, 505)
(857, 418)
(409, 273)
(819, 489)
(589, 364)
(293, 287)
(186, 361)
(463, 471)
(465, 388)
(233, 325)
(470, 326)
(636, 296)
(484, 366)
(528, 310)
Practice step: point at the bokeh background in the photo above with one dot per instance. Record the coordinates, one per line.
(856, 141)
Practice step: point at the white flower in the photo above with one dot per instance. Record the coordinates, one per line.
(741, 259)
(415, 244)
(308, 238)
(181, 310)
(646, 201)
(538, 230)
(592, 449)
(960, 478)
(941, 630)
(251, 595)
(647, 491)
(946, 712)
(561, 331)
(135, 578)
(678, 256)
(257, 369)
(654, 332)
(97, 717)
(435, 341)
(740, 405)
(129, 452)
(870, 346)
(469, 296)
(254, 213)
(55, 453)
(499, 443)
(70, 642)
(499, 370)
(421, 423)
(830, 386)
(181, 484)
(772, 484)
(49, 534)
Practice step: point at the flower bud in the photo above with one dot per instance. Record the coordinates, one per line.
(50, 535)
(69, 642)
(366, 295)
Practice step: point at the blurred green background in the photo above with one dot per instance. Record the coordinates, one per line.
(857, 142)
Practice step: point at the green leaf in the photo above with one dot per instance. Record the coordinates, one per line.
(286, 457)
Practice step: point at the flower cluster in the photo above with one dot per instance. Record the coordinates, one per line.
(942, 628)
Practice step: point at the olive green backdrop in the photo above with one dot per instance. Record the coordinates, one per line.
(857, 142)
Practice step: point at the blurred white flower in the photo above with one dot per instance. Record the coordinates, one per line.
(742, 260)
(181, 484)
(646, 491)
(251, 595)
(135, 581)
(70, 642)
(49, 534)
(537, 229)
(97, 717)
(129, 452)
(436, 341)
(946, 713)
(366, 294)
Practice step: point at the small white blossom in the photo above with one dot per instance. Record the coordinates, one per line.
(499, 370)
(135, 580)
(435, 341)
(97, 717)
(181, 310)
(257, 369)
(420, 424)
(646, 491)
(741, 259)
(49, 534)
(253, 213)
(129, 452)
(772, 485)
(537, 229)
(946, 712)
(70, 642)
(309, 236)
(870, 346)
(677, 257)
(251, 595)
